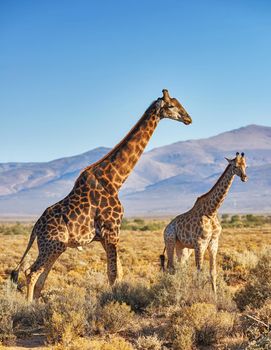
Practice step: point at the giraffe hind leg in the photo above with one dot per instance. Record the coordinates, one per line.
(183, 254)
(170, 246)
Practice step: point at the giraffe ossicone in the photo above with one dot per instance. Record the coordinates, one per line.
(199, 228)
(92, 210)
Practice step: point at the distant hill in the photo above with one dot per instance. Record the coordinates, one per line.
(166, 180)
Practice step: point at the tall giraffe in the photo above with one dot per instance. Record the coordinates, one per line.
(199, 228)
(92, 210)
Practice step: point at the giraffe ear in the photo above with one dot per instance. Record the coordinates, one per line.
(228, 160)
(166, 96)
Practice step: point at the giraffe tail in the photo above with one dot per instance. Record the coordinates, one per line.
(14, 275)
(162, 260)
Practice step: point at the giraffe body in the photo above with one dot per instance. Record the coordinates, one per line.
(92, 210)
(199, 228)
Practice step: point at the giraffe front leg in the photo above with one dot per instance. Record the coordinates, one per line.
(199, 256)
(33, 275)
(43, 276)
(112, 266)
(108, 248)
(213, 246)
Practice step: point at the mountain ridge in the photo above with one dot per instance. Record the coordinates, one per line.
(177, 173)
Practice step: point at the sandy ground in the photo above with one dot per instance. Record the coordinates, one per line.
(36, 342)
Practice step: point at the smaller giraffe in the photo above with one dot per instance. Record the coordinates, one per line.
(199, 228)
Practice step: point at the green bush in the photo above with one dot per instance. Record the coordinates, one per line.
(15, 229)
(140, 225)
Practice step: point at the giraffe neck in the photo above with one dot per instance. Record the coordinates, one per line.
(115, 167)
(212, 200)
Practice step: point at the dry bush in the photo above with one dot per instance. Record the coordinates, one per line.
(137, 295)
(187, 287)
(256, 323)
(262, 343)
(258, 287)
(17, 318)
(114, 317)
(113, 343)
(29, 318)
(67, 315)
(200, 324)
(149, 342)
(7, 312)
(236, 265)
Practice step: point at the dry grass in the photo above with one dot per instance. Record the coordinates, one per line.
(148, 310)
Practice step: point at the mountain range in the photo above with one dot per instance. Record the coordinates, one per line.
(166, 180)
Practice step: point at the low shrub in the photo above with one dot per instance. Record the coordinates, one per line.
(137, 295)
(262, 343)
(236, 266)
(113, 343)
(7, 311)
(258, 287)
(67, 316)
(256, 323)
(17, 318)
(114, 317)
(198, 325)
(187, 287)
(149, 342)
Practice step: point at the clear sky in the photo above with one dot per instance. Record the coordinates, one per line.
(75, 75)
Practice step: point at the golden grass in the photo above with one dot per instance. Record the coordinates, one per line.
(139, 250)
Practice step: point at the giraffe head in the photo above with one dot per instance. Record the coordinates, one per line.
(238, 165)
(172, 109)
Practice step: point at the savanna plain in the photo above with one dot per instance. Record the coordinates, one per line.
(149, 309)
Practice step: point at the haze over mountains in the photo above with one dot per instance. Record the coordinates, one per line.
(166, 180)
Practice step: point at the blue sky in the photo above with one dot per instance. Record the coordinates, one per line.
(75, 75)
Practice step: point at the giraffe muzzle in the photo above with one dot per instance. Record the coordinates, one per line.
(187, 120)
(244, 178)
